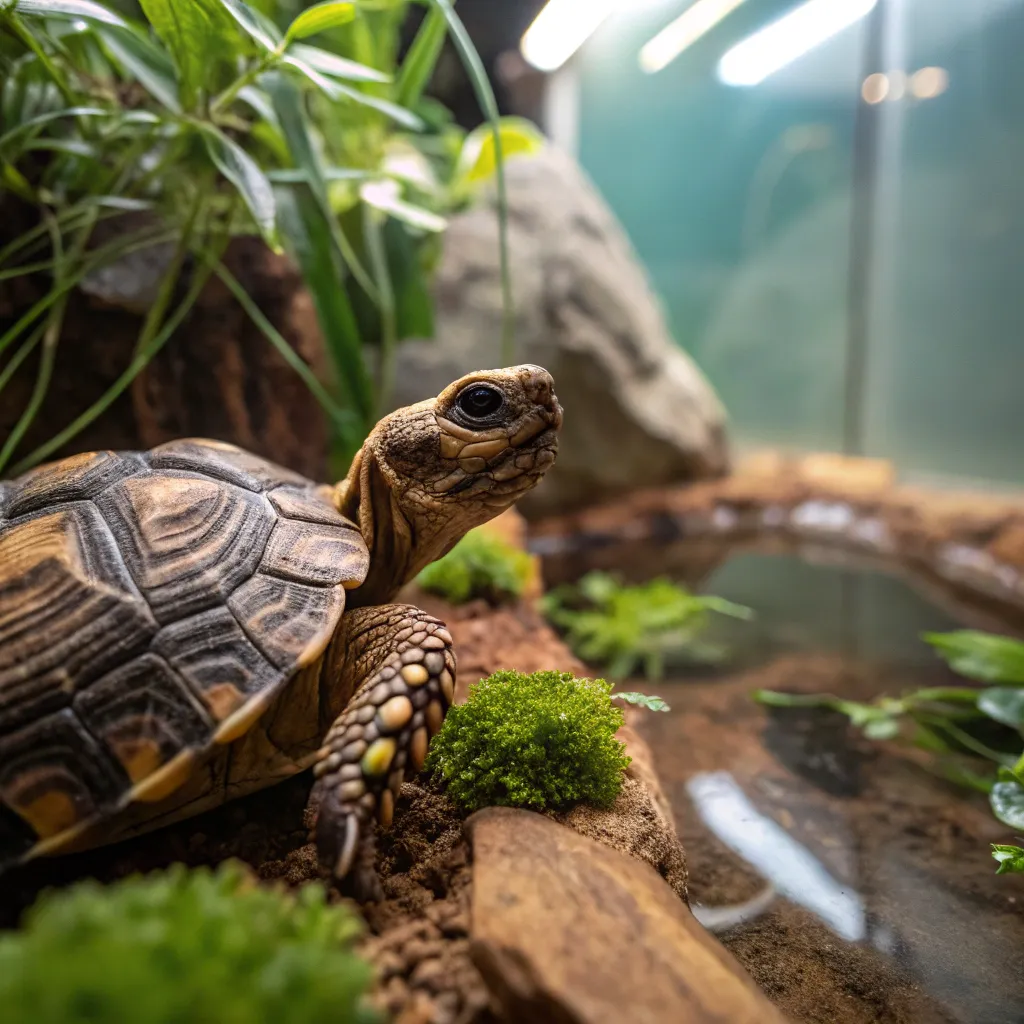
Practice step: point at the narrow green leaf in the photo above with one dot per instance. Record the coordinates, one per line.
(420, 61)
(1009, 858)
(337, 67)
(336, 90)
(52, 115)
(386, 196)
(308, 238)
(64, 9)
(1003, 704)
(253, 23)
(321, 17)
(244, 173)
(1007, 800)
(644, 701)
(983, 656)
(145, 61)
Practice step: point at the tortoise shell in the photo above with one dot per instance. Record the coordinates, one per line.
(152, 606)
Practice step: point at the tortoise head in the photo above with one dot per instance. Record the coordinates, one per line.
(430, 472)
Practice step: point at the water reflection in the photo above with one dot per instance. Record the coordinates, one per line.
(791, 868)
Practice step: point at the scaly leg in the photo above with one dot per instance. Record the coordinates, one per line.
(402, 668)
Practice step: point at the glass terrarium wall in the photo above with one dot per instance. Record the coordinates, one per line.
(839, 244)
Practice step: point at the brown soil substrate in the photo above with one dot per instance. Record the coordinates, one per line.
(966, 550)
(418, 937)
(944, 933)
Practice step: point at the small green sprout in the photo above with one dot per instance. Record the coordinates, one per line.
(643, 700)
(543, 741)
(625, 627)
(1009, 858)
(481, 565)
(974, 734)
(184, 946)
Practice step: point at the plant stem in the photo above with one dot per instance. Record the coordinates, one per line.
(137, 365)
(54, 323)
(228, 95)
(388, 313)
(488, 104)
(21, 355)
(345, 419)
(166, 291)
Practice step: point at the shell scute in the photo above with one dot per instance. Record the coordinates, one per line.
(291, 623)
(76, 478)
(223, 462)
(143, 714)
(68, 611)
(220, 664)
(187, 540)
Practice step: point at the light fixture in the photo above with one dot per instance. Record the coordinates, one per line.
(682, 33)
(561, 28)
(769, 50)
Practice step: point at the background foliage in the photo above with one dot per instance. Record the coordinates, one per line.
(973, 735)
(214, 118)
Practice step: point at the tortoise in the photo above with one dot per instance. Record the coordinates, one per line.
(184, 626)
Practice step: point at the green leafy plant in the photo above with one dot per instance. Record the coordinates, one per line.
(543, 741)
(626, 627)
(216, 118)
(643, 700)
(184, 946)
(481, 565)
(972, 734)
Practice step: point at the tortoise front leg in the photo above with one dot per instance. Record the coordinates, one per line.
(401, 667)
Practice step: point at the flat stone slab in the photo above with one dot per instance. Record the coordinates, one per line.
(565, 930)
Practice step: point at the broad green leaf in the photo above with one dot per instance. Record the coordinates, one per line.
(198, 34)
(244, 173)
(478, 160)
(64, 9)
(145, 61)
(386, 196)
(1009, 858)
(983, 656)
(253, 23)
(1007, 799)
(1004, 704)
(644, 701)
(321, 17)
(337, 67)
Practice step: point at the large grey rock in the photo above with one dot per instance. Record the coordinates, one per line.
(638, 412)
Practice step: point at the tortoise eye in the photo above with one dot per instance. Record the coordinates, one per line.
(480, 400)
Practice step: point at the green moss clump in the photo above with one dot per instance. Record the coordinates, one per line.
(481, 565)
(544, 741)
(198, 946)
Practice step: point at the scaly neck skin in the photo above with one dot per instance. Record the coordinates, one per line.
(403, 534)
